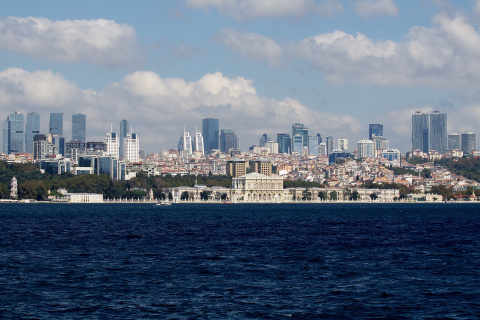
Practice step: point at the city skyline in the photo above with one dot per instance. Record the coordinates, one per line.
(258, 66)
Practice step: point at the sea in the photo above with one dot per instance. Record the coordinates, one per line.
(240, 261)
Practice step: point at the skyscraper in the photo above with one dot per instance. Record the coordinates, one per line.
(185, 145)
(197, 143)
(79, 127)
(329, 145)
(319, 138)
(111, 140)
(284, 143)
(211, 134)
(263, 140)
(313, 145)
(365, 149)
(13, 136)
(299, 128)
(55, 126)
(31, 129)
(454, 141)
(228, 140)
(343, 144)
(420, 131)
(469, 142)
(375, 129)
(297, 141)
(131, 148)
(124, 130)
(438, 132)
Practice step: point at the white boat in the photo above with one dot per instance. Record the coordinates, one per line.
(163, 203)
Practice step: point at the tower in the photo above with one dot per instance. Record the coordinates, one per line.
(420, 131)
(111, 140)
(131, 147)
(211, 134)
(284, 143)
(329, 145)
(468, 142)
(228, 140)
(299, 128)
(79, 127)
(343, 144)
(13, 136)
(375, 129)
(438, 132)
(124, 130)
(197, 143)
(31, 129)
(454, 141)
(55, 125)
(185, 145)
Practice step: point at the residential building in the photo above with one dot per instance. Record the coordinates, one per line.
(262, 166)
(74, 149)
(365, 149)
(211, 134)
(113, 144)
(31, 129)
(131, 151)
(79, 127)
(43, 146)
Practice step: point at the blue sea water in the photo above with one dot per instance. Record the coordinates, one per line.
(240, 261)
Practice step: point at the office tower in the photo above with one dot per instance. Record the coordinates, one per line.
(365, 149)
(375, 129)
(131, 147)
(31, 129)
(236, 168)
(299, 128)
(59, 142)
(297, 142)
(197, 143)
(319, 138)
(420, 131)
(55, 126)
(13, 135)
(112, 142)
(468, 142)
(343, 144)
(43, 146)
(438, 132)
(185, 144)
(263, 140)
(322, 149)
(124, 130)
(454, 141)
(329, 145)
(211, 134)
(312, 145)
(284, 143)
(228, 140)
(262, 166)
(79, 127)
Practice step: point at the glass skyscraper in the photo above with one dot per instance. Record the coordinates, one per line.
(454, 141)
(284, 143)
(438, 132)
(125, 129)
(32, 128)
(211, 134)
(329, 145)
(469, 142)
(228, 140)
(375, 129)
(420, 131)
(299, 128)
(79, 127)
(55, 126)
(13, 135)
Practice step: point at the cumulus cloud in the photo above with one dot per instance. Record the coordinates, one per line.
(443, 55)
(374, 8)
(250, 9)
(159, 108)
(251, 45)
(100, 42)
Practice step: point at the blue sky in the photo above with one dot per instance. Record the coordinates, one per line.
(258, 66)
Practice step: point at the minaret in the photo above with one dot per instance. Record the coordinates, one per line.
(13, 189)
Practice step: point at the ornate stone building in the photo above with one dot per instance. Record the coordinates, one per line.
(256, 187)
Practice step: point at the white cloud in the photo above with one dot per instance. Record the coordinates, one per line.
(100, 42)
(251, 45)
(374, 8)
(158, 108)
(250, 9)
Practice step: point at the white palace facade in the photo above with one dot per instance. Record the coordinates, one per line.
(256, 187)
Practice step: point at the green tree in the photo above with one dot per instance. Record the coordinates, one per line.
(355, 196)
(373, 196)
(306, 194)
(322, 195)
(184, 196)
(224, 196)
(426, 173)
(333, 195)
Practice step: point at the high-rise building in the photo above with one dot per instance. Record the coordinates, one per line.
(329, 145)
(438, 132)
(322, 149)
(124, 130)
(228, 140)
(131, 148)
(31, 129)
(284, 143)
(365, 149)
(55, 125)
(43, 146)
(13, 135)
(375, 129)
(420, 131)
(469, 142)
(297, 142)
(185, 145)
(111, 140)
(299, 128)
(343, 144)
(454, 141)
(312, 145)
(263, 140)
(319, 138)
(79, 127)
(211, 134)
(197, 143)
(59, 142)
(272, 146)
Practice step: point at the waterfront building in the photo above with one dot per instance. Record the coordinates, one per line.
(79, 127)
(284, 143)
(13, 135)
(55, 125)
(211, 134)
(228, 140)
(375, 129)
(256, 187)
(468, 142)
(124, 130)
(31, 129)
(454, 141)
(343, 144)
(365, 149)
(185, 145)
